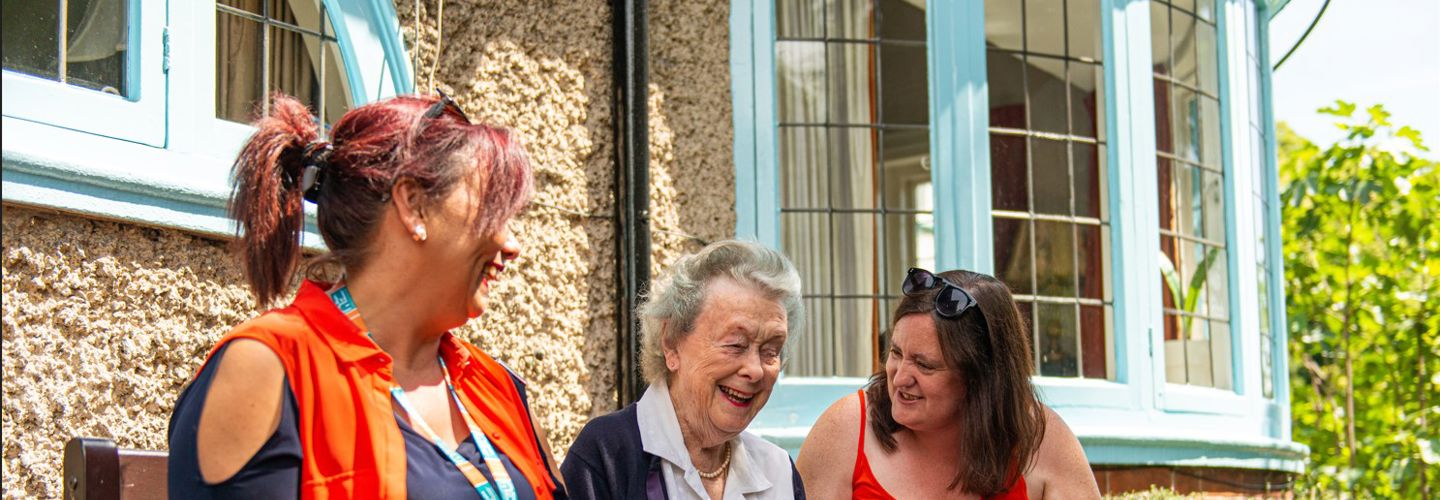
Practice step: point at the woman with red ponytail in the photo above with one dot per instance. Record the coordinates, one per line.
(357, 388)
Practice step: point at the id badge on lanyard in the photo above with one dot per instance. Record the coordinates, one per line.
(504, 487)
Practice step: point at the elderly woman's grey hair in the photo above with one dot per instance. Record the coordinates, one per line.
(677, 298)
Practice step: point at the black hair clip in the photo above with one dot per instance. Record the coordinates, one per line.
(317, 160)
(445, 104)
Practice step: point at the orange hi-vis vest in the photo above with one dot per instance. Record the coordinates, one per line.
(351, 443)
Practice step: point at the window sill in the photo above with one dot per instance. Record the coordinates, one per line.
(87, 174)
(1105, 415)
(1153, 445)
(1057, 392)
(795, 404)
(798, 401)
(1204, 400)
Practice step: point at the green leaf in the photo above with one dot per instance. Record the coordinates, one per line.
(1172, 281)
(1341, 108)
(1378, 115)
(1197, 283)
(1413, 136)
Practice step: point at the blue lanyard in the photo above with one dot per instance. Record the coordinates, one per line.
(342, 299)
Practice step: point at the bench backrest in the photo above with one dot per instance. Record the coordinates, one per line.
(95, 469)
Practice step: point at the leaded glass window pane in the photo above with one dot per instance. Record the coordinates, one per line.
(84, 43)
(1048, 178)
(854, 144)
(1191, 178)
(264, 46)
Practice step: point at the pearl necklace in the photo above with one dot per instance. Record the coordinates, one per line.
(719, 470)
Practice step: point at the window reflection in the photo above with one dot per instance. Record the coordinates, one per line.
(1047, 152)
(1190, 174)
(90, 52)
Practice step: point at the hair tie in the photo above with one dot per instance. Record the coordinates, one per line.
(316, 160)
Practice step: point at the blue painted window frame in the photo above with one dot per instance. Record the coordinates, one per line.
(137, 117)
(1137, 417)
(1279, 405)
(1246, 397)
(752, 73)
(1206, 400)
(959, 138)
(81, 163)
(363, 33)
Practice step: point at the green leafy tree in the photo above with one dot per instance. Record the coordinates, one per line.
(1362, 270)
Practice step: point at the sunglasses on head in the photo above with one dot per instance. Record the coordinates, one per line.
(951, 302)
(445, 103)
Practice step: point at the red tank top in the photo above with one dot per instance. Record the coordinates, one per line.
(864, 486)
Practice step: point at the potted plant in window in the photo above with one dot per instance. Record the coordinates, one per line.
(1194, 364)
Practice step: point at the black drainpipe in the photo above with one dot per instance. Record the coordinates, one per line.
(632, 192)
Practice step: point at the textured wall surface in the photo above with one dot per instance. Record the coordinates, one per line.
(103, 325)
(104, 322)
(692, 170)
(543, 68)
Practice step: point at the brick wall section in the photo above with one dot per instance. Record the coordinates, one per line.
(1211, 482)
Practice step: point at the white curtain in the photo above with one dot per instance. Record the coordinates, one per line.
(292, 59)
(831, 167)
(102, 32)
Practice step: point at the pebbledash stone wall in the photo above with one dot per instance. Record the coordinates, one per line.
(104, 322)
(543, 68)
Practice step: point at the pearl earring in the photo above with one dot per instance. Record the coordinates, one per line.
(419, 233)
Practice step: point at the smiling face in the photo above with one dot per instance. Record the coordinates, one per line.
(925, 393)
(721, 373)
(461, 261)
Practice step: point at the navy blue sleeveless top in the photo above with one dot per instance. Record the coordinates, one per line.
(274, 470)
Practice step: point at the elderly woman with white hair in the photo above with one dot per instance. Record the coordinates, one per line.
(714, 332)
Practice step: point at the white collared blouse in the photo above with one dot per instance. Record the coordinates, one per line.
(759, 470)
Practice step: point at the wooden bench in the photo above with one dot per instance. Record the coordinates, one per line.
(95, 469)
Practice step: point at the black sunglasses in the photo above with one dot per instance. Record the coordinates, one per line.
(445, 103)
(950, 303)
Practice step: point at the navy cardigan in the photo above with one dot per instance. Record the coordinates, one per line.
(608, 462)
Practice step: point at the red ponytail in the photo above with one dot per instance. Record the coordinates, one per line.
(374, 146)
(267, 199)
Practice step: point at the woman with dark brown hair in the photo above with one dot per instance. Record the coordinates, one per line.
(358, 389)
(953, 415)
